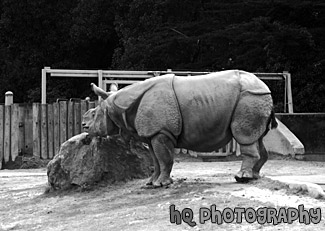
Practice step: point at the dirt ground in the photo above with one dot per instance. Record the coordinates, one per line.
(128, 206)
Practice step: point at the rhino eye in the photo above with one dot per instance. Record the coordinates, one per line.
(93, 114)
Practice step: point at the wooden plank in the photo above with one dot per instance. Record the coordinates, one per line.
(50, 128)
(237, 149)
(37, 129)
(56, 129)
(63, 121)
(228, 147)
(2, 126)
(44, 136)
(92, 104)
(21, 144)
(7, 134)
(28, 129)
(84, 106)
(14, 140)
(84, 109)
(70, 119)
(77, 118)
(234, 145)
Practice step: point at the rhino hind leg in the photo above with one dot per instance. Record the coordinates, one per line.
(156, 165)
(163, 149)
(264, 155)
(251, 157)
(250, 120)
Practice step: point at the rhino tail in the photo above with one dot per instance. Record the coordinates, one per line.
(273, 122)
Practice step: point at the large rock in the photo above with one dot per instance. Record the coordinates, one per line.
(83, 162)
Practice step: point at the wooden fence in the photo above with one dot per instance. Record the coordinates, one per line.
(39, 129)
(10, 117)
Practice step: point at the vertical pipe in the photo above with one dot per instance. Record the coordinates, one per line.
(285, 94)
(43, 86)
(100, 81)
(289, 92)
(2, 130)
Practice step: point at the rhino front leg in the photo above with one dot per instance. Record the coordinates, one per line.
(156, 165)
(251, 159)
(163, 149)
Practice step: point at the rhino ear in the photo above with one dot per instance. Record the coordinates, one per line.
(100, 92)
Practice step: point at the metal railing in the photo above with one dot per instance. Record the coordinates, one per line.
(128, 77)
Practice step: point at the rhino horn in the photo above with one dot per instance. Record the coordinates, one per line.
(100, 92)
(113, 87)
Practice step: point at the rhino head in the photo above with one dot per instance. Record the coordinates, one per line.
(96, 121)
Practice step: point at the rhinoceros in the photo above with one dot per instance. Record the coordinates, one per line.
(199, 113)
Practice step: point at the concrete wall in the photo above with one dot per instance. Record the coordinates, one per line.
(282, 141)
(309, 128)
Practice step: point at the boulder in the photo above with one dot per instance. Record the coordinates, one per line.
(83, 162)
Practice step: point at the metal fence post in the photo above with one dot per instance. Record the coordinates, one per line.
(289, 91)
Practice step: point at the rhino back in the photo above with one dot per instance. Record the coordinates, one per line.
(148, 108)
(206, 104)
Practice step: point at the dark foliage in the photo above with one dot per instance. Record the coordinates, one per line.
(257, 36)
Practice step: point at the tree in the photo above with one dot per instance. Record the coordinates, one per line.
(33, 34)
(272, 36)
(59, 34)
(216, 36)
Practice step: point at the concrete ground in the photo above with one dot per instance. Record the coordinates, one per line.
(306, 175)
(128, 206)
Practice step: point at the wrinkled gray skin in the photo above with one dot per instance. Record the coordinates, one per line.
(200, 113)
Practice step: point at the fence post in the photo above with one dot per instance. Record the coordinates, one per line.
(14, 140)
(9, 98)
(36, 130)
(28, 129)
(83, 110)
(44, 132)
(77, 118)
(7, 127)
(63, 107)
(50, 126)
(56, 130)
(21, 125)
(70, 122)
